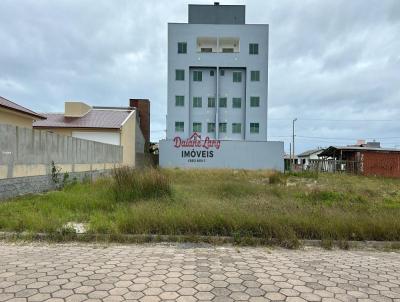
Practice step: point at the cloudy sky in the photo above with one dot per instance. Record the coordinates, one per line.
(334, 64)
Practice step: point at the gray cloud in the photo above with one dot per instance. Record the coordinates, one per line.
(329, 60)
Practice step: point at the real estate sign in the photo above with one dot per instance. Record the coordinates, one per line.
(198, 152)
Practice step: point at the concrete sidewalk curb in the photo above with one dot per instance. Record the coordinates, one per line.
(216, 240)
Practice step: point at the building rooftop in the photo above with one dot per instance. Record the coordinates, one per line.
(333, 149)
(217, 14)
(4, 103)
(105, 118)
(309, 152)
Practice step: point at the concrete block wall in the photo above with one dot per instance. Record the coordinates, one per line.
(13, 187)
(28, 152)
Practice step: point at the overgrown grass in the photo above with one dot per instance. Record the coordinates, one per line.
(242, 204)
(132, 184)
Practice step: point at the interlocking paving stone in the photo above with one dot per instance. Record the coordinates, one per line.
(160, 272)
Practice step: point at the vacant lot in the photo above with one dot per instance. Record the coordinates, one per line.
(214, 202)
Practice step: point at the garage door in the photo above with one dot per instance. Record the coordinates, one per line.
(102, 137)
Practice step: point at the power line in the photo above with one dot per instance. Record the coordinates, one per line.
(349, 138)
(334, 120)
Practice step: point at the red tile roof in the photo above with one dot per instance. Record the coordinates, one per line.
(18, 108)
(95, 118)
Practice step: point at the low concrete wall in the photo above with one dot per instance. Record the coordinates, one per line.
(12, 187)
(222, 154)
(28, 152)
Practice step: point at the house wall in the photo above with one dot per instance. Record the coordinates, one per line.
(381, 163)
(29, 152)
(14, 118)
(128, 139)
(69, 131)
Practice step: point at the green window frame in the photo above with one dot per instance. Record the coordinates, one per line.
(237, 76)
(253, 48)
(196, 127)
(254, 128)
(179, 126)
(255, 75)
(223, 102)
(197, 102)
(222, 127)
(197, 76)
(236, 102)
(210, 127)
(179, 100)
(211, 102)
(179, 75)
(236, 128)
(254, 101)
(182, 47)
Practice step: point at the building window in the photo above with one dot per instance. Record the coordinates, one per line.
(211, 73)
(182, 47)
(197, 102)
(179, 126)
(196, 127)
(237, 76)
(236, 103)
(254, 101)
(236, 128)
(179, 100)
(206, 49)
(254, 127)
(222, 72)
(211, 102)
(222, 127)
(210, 127)
(222, 102)
(179, 75)
(227, 50)
(197, 76)
(255, 76)
(253, 48)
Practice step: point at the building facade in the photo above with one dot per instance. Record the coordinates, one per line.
(14, 114)
(218, 87)
(109, 125)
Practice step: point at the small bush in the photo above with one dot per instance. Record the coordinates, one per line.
(277, 178)
(322, 196)
(233, 189)
(304, 174)
(132, 184)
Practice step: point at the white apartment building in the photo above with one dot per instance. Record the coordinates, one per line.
(217, 83)
(218, 75)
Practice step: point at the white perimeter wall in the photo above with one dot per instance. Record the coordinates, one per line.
(112, 138)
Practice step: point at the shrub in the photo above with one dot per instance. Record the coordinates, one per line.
(277, 178)
(304, 174)
(131, 184)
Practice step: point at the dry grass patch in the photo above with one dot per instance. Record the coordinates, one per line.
(242, 204)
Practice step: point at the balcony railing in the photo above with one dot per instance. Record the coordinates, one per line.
(218, 45)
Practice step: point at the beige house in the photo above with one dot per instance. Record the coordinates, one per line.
(110, 125)
(16, 115)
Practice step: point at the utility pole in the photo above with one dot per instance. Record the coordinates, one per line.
(293, 140)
